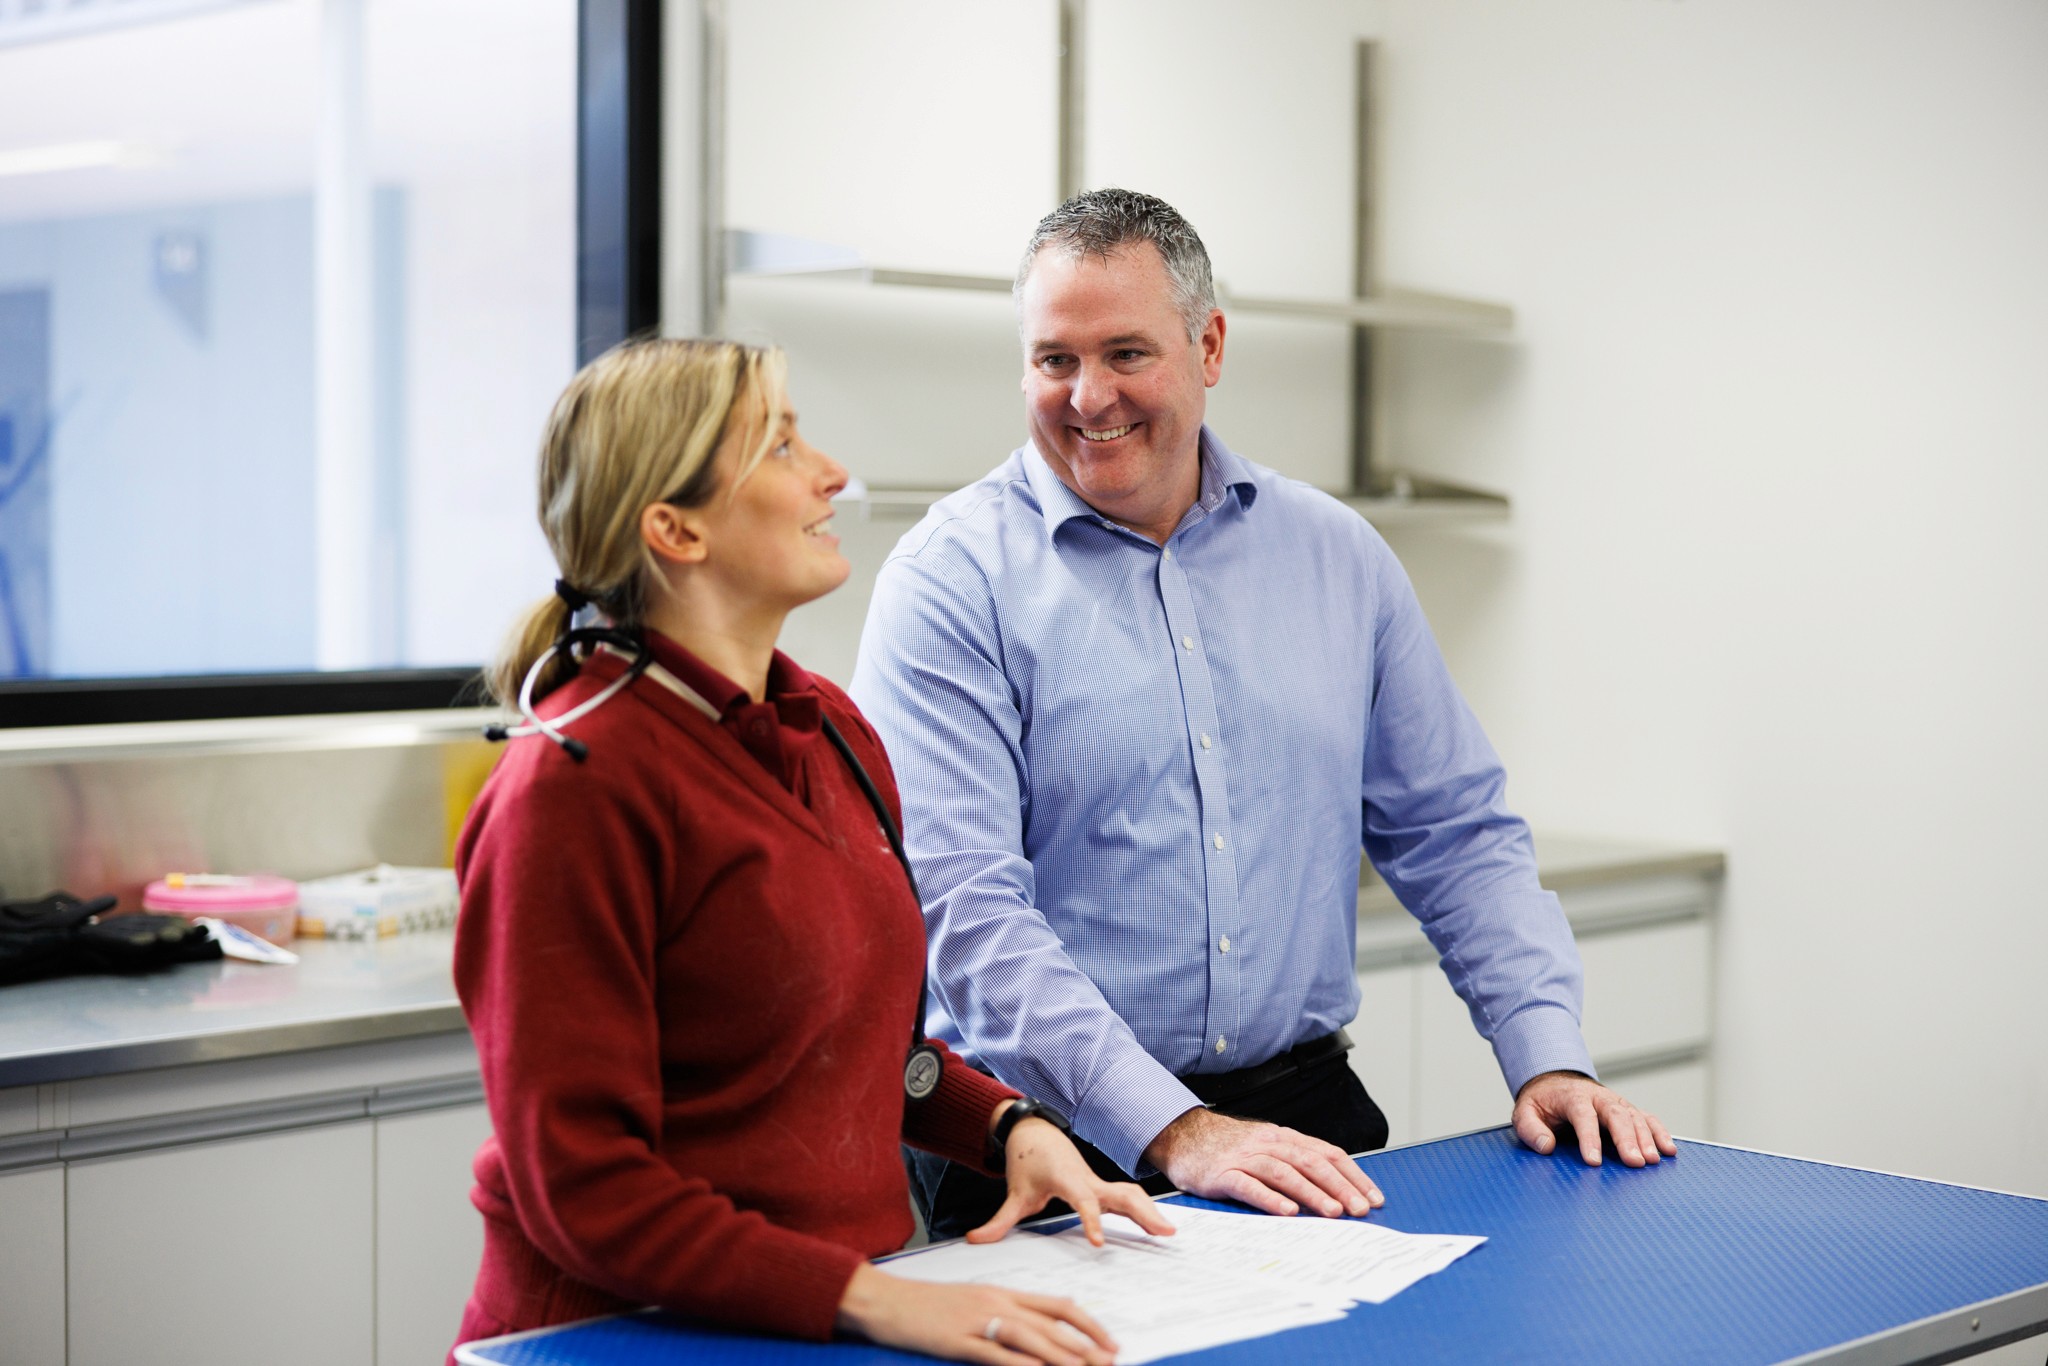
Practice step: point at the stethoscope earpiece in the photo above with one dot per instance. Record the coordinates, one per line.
(634, 642)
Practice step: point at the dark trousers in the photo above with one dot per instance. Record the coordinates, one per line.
(1325, 1100)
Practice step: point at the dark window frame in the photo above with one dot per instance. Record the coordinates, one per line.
(618, 295)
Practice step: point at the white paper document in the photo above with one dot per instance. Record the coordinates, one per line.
(1352, 1258)
(1221, 1278)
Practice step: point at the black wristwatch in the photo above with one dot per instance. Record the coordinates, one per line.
(1019, 1111)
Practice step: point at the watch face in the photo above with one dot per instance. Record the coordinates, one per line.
(921, 1073)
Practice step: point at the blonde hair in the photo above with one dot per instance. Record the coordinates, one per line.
(639, 425)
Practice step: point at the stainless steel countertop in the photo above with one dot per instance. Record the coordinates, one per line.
(344, 993)
(338, 993)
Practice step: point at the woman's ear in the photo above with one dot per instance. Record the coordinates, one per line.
(675, 535)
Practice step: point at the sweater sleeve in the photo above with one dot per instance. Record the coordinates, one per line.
(555, 962)
(953, 1122)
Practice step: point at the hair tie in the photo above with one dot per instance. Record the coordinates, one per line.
(575, 597)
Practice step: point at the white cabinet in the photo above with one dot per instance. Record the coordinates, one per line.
(250, 1251)
(309, 1207)
(429, 1237)
(1646, 989)
(32, 1268)
(1383, 1046)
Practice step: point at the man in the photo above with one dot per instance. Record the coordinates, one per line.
(1145, 700)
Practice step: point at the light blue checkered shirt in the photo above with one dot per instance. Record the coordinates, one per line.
(1136, 781)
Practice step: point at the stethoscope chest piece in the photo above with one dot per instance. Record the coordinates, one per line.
(921, 1072)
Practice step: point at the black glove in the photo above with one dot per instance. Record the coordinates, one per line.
(60, 934)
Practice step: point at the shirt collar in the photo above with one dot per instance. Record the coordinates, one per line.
(1222, 472)
(792, 690)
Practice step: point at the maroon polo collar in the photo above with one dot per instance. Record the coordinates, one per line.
(774, 730)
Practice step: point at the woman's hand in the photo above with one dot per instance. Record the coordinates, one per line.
(982, 1323)
(1043, 1165)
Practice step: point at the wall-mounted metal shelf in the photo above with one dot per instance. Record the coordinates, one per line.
(1404, 500)
(766, 255)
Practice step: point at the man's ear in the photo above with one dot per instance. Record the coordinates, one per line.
(1210, 344)
(675, 535)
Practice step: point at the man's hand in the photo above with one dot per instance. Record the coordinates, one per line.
(1266, 1166)
(1551, 1100)
(1043, 1165)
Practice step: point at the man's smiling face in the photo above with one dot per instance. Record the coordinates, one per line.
(1114, 390)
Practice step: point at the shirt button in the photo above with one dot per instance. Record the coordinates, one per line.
(1187, 642)
(1205, 739)
(1219, 841)
(1166, 553)
(1224, 944)
(1221, 1043)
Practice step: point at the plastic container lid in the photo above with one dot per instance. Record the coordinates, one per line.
(206, 893)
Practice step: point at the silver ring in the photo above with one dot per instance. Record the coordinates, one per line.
(995, 1325)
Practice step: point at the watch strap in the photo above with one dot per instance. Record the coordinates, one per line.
(1021, 1109)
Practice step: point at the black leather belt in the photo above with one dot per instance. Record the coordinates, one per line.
(1221, 1088)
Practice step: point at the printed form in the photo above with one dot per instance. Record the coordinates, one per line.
(1221, 1278)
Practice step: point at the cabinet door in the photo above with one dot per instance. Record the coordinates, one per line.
(1383, 1046)
(1645, 989)
(429, 1237)
(32, 1268)
(1458, 1084)
(248, 1252)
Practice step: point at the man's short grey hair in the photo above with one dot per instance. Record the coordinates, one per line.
(1100, 222)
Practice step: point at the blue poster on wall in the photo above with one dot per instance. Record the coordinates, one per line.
(24, 483)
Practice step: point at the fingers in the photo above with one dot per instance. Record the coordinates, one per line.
(1003, 1220)
(1067, 1311)
(1090, 1210)
(1239, 1185)
(1131, 1201)
(1037, 1338)
(1619, 1118)
(1043, 1328)
(1310, 1180)
(1359, 1194)
(1532, 1126)
(1335, 1192)
(1585, 1122)
(1666, 1144)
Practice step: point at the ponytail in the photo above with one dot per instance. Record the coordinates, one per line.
(537, 628)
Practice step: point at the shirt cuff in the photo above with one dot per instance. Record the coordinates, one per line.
(1128, 1106)
(1537, 1040)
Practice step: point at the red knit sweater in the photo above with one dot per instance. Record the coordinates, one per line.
(691, 992)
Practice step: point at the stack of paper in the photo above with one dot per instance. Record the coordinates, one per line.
(1221, 1278)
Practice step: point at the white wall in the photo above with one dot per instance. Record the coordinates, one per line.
(1778, 442)
(1772, 427)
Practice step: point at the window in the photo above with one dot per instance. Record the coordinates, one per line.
(286, 289)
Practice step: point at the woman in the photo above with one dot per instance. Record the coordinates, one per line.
(691, 961)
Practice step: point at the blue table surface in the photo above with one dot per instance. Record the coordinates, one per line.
(1722, 1255)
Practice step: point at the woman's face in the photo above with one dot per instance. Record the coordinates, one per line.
(769, 539)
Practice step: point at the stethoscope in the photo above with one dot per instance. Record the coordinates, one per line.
(921, 1068)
